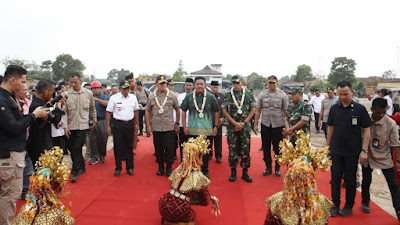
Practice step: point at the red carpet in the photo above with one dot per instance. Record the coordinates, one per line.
(100, 198)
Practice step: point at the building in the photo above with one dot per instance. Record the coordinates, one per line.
(210, 73)
(370, 84)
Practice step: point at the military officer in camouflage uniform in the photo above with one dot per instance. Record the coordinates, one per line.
(298, 115)
(239, 107)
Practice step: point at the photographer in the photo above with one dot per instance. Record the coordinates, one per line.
(12, 140)
(40, 132)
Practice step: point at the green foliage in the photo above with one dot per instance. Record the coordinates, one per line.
(359, 86)
(256, 81)
(64, 65)
(389, 74)
(227, 77)
(284, 79)
(303, 74)
(34, 70)
(117, 75)
(322, 85)
(179, 75)
(342, 69)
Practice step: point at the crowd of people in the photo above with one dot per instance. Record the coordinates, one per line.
(73, 114)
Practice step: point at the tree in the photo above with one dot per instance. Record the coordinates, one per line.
(389, 74)
(342, 69)
(179, 75)
(64, 65)
(284, 79)
(256, 81)
(303, 74)
(118, 75)
(227, 77)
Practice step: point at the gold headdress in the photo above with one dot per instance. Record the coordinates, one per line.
(189, 171)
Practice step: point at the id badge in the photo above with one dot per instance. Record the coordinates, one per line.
(375, 143)
(354, 120)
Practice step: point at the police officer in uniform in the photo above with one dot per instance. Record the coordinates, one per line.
(160, 123)
(239, 108)
(218, 139)
(125, 109)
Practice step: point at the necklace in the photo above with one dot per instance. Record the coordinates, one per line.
(201, 114)
(158, 103)
(240, 111)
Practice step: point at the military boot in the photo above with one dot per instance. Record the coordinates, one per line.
(160, 171)
(245, 176)
(169, 169)
(232, 178)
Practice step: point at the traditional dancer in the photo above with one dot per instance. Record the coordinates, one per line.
(189, 186)
(300, 202)
(43, 205)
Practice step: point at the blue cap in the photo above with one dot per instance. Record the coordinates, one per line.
(286, 86)
(139, 83)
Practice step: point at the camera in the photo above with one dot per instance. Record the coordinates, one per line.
(50, 104)
(58, 87)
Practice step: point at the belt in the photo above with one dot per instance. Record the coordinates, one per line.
(124, 121)
(179, 195)
(100, 118)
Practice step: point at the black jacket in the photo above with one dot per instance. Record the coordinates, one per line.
(40, 131)
(13, 123)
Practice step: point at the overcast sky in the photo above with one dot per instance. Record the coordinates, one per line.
(267, 37)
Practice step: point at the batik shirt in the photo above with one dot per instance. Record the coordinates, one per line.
(297, 112)
(231, 108)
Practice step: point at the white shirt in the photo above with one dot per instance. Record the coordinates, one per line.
(181, 97)
(57, 132)
(123, 107)
(389, 112)
(316, 102)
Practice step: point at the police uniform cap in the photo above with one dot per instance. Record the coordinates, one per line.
(124, 84)
(170, 82)
(139, 83)
(161, 79)
(272, 79)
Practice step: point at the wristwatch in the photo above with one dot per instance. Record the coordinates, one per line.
(364, 150)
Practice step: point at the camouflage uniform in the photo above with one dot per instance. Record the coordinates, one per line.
(297, 112)
(239, 142)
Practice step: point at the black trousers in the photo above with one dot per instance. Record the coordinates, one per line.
(391, 180)
(141, 115)
(182, 138)
(207, 157)
(218, 144)
(316, 117)
(164, 146)
(76, 140)
(270, 136)
(346, 165)
(98, 140)
(123, 143)
(325, 128)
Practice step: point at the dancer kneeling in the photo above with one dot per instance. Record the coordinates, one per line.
(43, 205)
(300, 202)
(189, 186)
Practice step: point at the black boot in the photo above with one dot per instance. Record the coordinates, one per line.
(160, 171)
(277, 170)
(246, 176)
(169, 169)
(232, 178)
(267, 171)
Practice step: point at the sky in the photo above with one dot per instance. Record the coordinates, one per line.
(152, 36)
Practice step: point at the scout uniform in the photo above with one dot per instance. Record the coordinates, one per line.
(297, 112)
(163, 125)
(239, 142)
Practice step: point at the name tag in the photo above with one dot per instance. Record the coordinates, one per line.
(375, 143)
(354, 121)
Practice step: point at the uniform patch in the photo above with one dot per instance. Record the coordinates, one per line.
(3, 108)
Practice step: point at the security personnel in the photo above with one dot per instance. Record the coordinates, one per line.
(298, 115)
(239, 108)
(218, 139)
(142, 95)
(326, 107)
(12, 140)
(271, 104)
(125, 109)
(160, 123)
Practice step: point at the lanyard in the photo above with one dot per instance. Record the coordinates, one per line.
(17, 103)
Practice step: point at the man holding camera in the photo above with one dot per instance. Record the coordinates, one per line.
(40, 132)
(79, 105)
(12, 140)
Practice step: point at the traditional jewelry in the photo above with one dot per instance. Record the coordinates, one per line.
(158, 103)
(240, 111)
(201, 114)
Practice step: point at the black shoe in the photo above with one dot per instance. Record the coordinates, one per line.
(160, 170)
(130, 172)
(344, 185)
(93, 161)
(207, 175)
(154, 153)
(277, 171)
(140, 133)
(260, 149)
(117, 173)
(268, 171)
(218, 160)
(346, 211)
(148, 135)
(398, 215)
(365, 207)
(74, 178)
(81, 171)
(137, 140)
(168, 171)
(246, 177)
(232, 178)
(334, 211)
